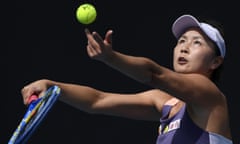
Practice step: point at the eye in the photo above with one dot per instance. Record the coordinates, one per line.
(197, 42)
(181, 40)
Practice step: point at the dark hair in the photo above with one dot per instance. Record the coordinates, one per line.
(218, 71)
(216, 75)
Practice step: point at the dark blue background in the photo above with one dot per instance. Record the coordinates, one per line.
(44, 40)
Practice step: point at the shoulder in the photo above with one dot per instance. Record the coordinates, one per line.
(156, 94)
(198, 90)
(157, 97)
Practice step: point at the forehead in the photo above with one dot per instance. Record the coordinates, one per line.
(197, 33)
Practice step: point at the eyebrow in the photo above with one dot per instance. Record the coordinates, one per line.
(194, 37)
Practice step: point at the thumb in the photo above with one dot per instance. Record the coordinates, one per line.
(108, 37)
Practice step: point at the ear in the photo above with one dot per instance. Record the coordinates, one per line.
(217, 62)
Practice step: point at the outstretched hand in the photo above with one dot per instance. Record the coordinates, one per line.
(97, 47)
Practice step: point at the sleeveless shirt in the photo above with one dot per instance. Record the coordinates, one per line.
(180, 129)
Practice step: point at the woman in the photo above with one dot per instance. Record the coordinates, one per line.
(187, 102)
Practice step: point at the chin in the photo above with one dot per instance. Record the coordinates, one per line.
(184, 71)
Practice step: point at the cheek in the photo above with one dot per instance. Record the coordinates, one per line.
(201, 56)
(175, 54)
(200, 61)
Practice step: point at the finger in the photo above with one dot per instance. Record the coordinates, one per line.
(98, 39)
(92, 41)
(90, 46)
(108, 37)
(25, 94)
(87, 32)
(91, 51)
(90, 37)
(28, 91)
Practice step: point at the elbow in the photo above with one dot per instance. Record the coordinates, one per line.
(148, 72)
(149, 81)
(155, 80)
(89, 110)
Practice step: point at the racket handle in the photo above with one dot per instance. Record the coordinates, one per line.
(32, 98)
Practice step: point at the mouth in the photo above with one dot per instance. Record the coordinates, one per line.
(182, 60)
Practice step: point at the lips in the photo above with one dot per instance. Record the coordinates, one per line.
(182, 60)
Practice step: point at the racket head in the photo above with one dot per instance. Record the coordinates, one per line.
(37, 111)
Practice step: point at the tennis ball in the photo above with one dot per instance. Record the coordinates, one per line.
(86, 13)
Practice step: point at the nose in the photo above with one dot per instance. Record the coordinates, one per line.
(185, 48)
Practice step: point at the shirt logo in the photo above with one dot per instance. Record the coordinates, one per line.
(171, 126)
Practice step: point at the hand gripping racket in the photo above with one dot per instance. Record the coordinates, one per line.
(37, 110)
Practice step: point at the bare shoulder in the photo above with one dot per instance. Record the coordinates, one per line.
(209, 109)
(158, 97)
(196, 90)
(214, 118)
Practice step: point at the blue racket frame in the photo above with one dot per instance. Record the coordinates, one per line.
(28, 123)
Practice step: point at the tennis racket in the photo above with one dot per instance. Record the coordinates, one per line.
(37, 110)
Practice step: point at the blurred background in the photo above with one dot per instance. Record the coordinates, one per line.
(44, 40)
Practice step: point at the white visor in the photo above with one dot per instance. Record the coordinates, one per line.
(186, 21)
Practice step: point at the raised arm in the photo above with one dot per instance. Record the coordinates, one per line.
(138, 68)
(191, 88)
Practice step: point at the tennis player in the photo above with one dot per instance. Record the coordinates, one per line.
(186, 101)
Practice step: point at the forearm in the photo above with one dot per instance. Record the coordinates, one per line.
(138, 68)
(78, 96)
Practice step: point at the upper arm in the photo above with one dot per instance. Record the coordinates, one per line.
(194, 89)
(142, 106)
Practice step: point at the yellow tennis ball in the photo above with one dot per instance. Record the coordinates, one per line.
(86, 13)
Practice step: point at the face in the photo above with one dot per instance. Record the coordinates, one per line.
(194, 53)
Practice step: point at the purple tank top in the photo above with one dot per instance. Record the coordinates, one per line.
(180, 129)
